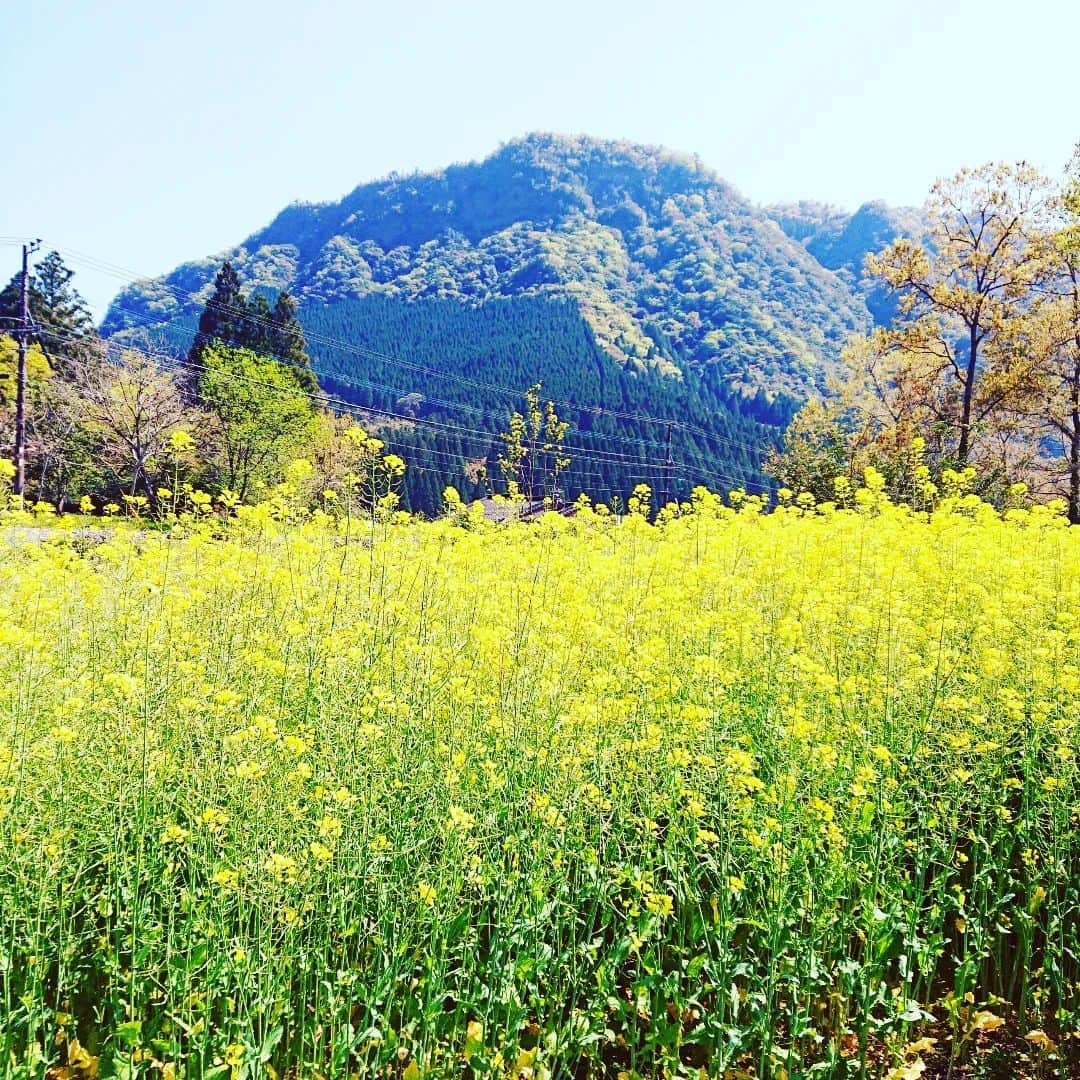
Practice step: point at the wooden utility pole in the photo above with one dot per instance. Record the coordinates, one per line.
(20, 388)
(669, 461)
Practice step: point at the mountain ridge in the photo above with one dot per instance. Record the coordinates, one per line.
(640, 237)
(840, 241)
(623, 277)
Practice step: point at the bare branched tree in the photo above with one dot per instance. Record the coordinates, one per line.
(130, 406)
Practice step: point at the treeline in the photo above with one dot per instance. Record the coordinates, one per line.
(433, 383)
(136, 430)
(977, 380)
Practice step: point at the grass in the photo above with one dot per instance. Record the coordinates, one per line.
(786, 795)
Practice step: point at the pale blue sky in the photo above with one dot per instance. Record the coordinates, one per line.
(159, 132)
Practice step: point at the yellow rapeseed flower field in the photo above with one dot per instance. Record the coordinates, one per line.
(786, 794)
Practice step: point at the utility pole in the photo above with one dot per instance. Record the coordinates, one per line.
(20, 389)
(668, 463)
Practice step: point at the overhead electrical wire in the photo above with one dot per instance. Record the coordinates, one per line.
(192, 298)
(472, 432)
(639, 461)
(344, 407)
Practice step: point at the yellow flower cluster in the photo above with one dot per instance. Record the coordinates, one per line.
(559, 773)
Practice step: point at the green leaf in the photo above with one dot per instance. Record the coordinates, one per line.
(130, 1034)
(269, 1043)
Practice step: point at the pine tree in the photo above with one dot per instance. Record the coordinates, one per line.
(222, 318)
(58, 312)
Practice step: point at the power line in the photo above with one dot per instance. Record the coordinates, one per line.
(629, 462)
(494, 421)
(598, 410)
(344, 407)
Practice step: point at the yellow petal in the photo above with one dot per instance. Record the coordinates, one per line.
(986, 1021)
(1041, 1040)
(920, 1046)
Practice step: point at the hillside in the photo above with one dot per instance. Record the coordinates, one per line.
(450, 412)
(679, 297)
(841, 241)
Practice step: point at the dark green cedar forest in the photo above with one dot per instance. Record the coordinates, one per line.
(454, 420)
(622, 278)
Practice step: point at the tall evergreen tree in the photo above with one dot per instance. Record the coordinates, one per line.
(222, 318)
(62, 308)
(251, 323)
(59, 313)
(256, 331)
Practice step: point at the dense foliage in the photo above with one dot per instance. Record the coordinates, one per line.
(467, 368)
(670, 266)
(259, 414)
(637, 236)
(790, 795)
(841, 242)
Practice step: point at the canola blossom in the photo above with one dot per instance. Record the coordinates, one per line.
(729, 793)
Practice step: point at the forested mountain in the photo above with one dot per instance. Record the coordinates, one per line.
(621, 277)
(841, 241)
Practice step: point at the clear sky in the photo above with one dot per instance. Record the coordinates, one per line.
(146, 133)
